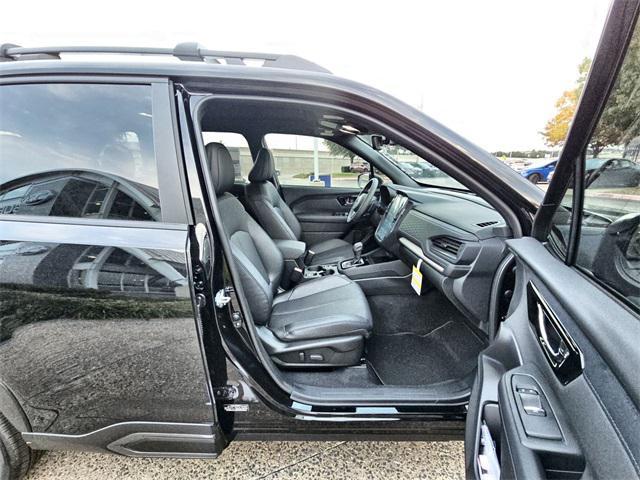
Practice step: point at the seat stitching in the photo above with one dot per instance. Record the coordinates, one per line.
(290, 328)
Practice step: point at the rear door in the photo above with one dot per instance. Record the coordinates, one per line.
(321, 204)
(100, 342)
(558, 391)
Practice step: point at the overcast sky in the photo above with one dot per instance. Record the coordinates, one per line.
(491, 70)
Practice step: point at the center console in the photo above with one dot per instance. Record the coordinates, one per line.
(376, 273)
(315, 271)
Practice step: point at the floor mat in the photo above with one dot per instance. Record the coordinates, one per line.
(349, 377)
(449, 352)
(411, 313)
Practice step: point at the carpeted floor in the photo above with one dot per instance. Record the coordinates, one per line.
(420, 340)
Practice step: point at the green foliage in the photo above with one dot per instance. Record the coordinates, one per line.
(339, 151)
(620, 120)
(556, 129)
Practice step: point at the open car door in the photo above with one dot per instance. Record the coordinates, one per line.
(557, 393)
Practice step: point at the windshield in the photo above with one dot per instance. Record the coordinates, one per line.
(417, 167)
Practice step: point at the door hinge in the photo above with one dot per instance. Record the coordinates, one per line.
(222, 297)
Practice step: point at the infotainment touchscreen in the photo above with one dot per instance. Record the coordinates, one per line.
(391, 216)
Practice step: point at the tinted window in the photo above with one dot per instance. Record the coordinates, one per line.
(78, 150)
(609, 242)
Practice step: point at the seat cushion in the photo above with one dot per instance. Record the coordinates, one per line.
(326, 307)
(331, 251)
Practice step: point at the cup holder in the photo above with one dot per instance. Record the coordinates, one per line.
(316, 271)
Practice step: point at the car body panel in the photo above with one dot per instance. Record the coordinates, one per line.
(541, 169)
(109, 333)
(618, 172)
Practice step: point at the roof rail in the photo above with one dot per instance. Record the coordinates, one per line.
(188, 51)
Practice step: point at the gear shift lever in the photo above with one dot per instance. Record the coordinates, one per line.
(357, 253)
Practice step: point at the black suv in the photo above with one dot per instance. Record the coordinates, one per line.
(188, 257)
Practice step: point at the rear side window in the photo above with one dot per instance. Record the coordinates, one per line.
(78, 150)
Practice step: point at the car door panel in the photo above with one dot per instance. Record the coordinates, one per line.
(596, 413)
(110, 312)
(322, 212)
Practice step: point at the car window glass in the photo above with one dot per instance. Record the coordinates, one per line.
(78, 150)
(609, 242)
(238, 148)
(418, 168)
(312, 161)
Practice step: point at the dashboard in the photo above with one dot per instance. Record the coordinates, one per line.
(456, 237)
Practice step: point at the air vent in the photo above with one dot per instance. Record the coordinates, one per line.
(447, 244)
(486, 224)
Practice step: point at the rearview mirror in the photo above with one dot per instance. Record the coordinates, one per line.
(378, 141)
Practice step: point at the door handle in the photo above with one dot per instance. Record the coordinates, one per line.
(345, 200)
(558, 355)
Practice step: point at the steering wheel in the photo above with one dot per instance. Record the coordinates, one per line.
(363, 201)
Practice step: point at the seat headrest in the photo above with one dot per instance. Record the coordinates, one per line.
(221, 167)
(264, 167)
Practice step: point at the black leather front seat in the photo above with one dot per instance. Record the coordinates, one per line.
(322, 322)
(276, 217)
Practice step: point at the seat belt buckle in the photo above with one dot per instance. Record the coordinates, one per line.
(309, 256)
(296, 275)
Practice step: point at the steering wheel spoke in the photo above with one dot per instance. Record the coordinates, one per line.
(363, 201)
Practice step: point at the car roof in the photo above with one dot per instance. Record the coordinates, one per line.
(201, 75)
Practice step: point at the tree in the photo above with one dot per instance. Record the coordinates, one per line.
(620, 120)
(339, 151)
(556, 129)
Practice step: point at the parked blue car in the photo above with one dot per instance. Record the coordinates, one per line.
(539, 171)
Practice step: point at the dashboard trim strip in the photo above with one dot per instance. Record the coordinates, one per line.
(416, 249)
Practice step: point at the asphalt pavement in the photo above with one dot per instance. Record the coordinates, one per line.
(270, 460)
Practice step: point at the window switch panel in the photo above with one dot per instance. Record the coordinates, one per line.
(532, 404)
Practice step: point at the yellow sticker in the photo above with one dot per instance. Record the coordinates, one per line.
(416, 278)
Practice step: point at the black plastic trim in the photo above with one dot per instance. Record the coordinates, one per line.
(122, 437)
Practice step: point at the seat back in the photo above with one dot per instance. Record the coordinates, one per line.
(266, 204)
(257, 257)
